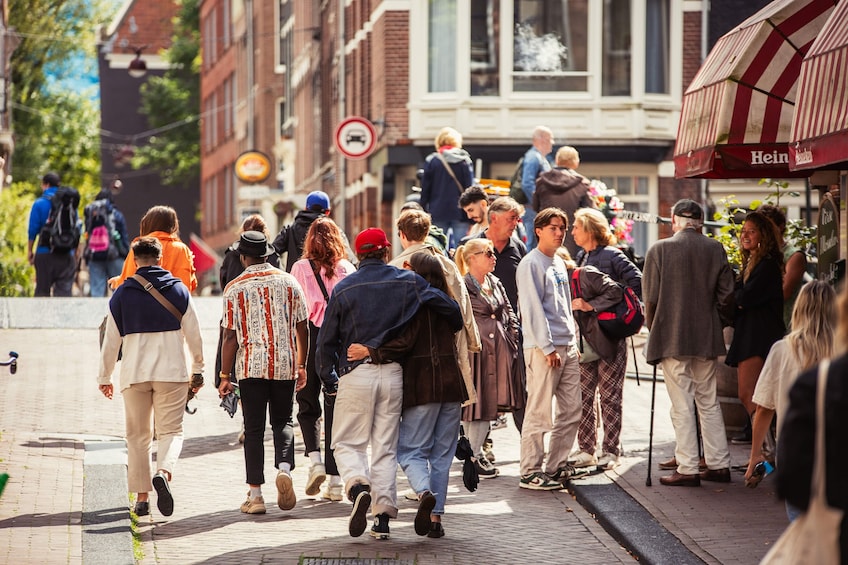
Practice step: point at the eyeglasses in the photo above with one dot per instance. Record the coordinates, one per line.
(489, 253)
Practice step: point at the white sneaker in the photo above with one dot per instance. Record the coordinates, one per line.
(583, 459)
(334, 493)
(286, 498)
(317, 474)
(607, 461)
(410, 494)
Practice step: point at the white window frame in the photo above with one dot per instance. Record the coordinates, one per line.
(646, 170)
(280, 31)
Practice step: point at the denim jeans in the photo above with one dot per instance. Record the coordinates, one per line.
(101, 271)
(426, 447)
(455, 230)
(527, 220)
(257, 397)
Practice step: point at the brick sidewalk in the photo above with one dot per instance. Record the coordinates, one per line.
(52, 406)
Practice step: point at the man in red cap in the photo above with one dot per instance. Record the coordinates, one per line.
(370, 306)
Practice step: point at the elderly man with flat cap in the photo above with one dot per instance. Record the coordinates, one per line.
(266, 339)
(687, 285)
(370, 306)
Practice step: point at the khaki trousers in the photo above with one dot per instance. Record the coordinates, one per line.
(368, 409)
(165, 403)
(691, 383)
(545, 383)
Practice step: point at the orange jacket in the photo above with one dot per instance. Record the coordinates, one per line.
(176, 258)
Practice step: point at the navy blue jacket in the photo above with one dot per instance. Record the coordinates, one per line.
(613, 262)
(439, 192)
(372, 306)
(136, 311)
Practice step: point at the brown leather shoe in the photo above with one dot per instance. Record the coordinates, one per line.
(671, 465)
(716, 475)
(679, 480)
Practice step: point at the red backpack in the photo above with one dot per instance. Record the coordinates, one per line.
(620, 321)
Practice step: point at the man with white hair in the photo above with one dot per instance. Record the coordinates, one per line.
(687, 285)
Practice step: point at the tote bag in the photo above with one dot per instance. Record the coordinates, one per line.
(813, 538)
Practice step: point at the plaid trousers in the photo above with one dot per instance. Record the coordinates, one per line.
(607, 377)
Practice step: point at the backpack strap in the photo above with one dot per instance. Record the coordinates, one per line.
(148, 286)
(451, 173)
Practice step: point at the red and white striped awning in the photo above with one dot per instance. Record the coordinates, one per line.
(819, 136)
(737, 113)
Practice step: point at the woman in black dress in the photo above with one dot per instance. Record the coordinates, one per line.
(759, 304)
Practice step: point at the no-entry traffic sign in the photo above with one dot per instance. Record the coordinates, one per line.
(356, 137)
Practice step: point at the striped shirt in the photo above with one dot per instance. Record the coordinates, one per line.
(263, 305)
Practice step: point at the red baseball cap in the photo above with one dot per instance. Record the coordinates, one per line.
(372, 239)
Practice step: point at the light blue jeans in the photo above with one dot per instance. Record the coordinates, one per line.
(455, 230)
(426, 447)
(101, 271)
(527, 220)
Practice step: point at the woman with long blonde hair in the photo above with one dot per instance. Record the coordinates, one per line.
(497, 378)
(809, 342)
(758, 322)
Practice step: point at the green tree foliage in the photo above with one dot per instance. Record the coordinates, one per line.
(732, 216)
(172, 105)
(54, 128)
(16, 274)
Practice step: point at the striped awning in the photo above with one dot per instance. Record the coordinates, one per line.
(737, 113)
(819, 136)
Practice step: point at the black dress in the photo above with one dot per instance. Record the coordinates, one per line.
(759, 313)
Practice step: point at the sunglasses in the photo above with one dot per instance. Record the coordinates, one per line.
(489, 253)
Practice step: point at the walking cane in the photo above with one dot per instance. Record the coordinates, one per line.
(651, 432)
(635, 361)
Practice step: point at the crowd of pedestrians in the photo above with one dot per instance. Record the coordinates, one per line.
(402, 353)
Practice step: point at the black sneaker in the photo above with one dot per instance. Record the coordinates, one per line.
(142, 508)
(361, 498)
(565, 474)
(485, 469)
(422, 518)
(380, 529)
(164, 500)
(436, 530)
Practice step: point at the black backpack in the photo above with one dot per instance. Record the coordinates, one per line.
(515, 191)
(62, 230)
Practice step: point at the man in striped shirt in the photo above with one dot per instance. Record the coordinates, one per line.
(266, 340)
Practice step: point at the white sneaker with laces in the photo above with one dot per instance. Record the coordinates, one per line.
(334, 493)
(583, 459)
(317, 475)
(607, 461)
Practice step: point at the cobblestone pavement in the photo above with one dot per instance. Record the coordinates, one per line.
(51, 408)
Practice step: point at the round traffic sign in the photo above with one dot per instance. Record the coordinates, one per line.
(356, 137)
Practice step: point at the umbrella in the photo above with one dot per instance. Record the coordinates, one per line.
(230, 404)
(470, 478)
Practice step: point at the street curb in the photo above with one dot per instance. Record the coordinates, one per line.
(629, 523)
(106, 526)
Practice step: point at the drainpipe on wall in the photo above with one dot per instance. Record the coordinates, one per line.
(705, 40)
(251, 86)
(342, 113)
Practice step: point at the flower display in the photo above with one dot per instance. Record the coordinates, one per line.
(608, 203)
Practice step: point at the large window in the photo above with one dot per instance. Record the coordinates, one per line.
(485, 16)
(656, 46)
(550, 49)
(441, 52)
(634, 193)
(285, 26)
(616, 48)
